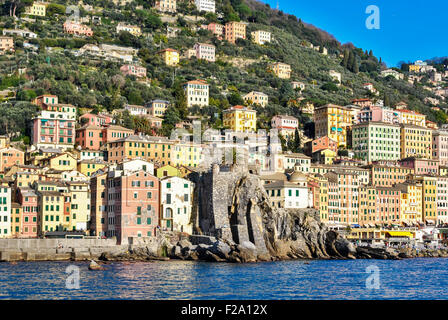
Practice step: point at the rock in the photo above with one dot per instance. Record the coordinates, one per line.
(95, 266)
(210, 256)
(221, 249)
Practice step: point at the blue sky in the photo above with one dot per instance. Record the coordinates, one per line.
(409, 30)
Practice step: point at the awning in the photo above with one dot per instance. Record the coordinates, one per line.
(400, 234)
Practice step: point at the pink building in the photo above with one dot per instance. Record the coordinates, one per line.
(387, 209)
(378, 114)
(133, 205)
(113, 132)
(217, 29)
(442, 199)
(54, 126)
(133, 70)
(319, 144)
(440, 146)
(76, 28)
(96, 119)
(421, 166)
(29, 201)
(89, 137)
(286, 125)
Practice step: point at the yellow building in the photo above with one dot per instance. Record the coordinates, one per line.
(367, 205)
(88, 167)
(153, 149)
(168, 171)
(412, 117)
(37, 9)
(281, 70)
(170, 56)
(261, 37)
(16, 219)
(429, 197)
(187, 154)
(414, 68)
(134, 30)
(240, 119)
(80, 205)
(416, 142)
(255, 97)
(60, 162)
(51, 211)
(334, 121)
(410, 202)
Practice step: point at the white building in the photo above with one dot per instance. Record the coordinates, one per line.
(297, 161)
(205, 5)
(261, 37)
(20, 33)
(175, 204)
(90, 154)
(336, 76)
(135, 110)
(197, 93)
(288, 194)
(5, 211)
(286, 125)
(205, 51)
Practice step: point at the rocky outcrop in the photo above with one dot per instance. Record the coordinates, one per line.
(235, 208)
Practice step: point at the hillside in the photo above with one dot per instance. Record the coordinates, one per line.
(56, 67)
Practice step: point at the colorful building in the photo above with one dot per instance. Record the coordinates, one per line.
(89, 167)
(256, 98)
(235, 30)
(176, 203)
(5, 210)
(6, 44)
(205, 51)
(166, 5)
(197, 93)
(153, 149)
(421, 166)
(98, 203)
(37, 9)
(440, 146)
(169, 56)
(9, 157)
(334, 121)
(384, 175)
(373, 141)
(54, 126)
(134, 30)
(29, 202)
(240, 119)
(157, 108)
(133, 70)
(132, 205)
(281, 70)
(286, 125)
(78, 29)
(416, 141)
(261, 37)
(89, 137)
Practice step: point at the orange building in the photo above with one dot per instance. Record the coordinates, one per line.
(235, 30)
(10, 157)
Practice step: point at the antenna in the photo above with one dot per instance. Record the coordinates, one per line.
(278, 5)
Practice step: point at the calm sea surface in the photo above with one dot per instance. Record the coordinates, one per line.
(404, 279)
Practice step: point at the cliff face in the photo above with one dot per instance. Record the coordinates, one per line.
(234, 208)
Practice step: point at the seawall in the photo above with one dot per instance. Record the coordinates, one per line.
(57, 249)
